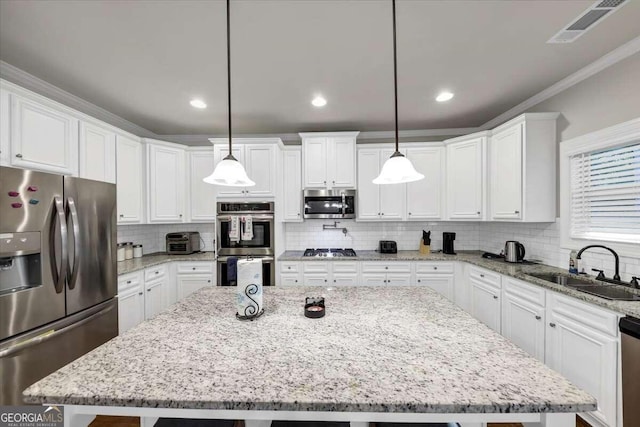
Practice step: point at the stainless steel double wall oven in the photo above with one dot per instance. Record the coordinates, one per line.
(261, 246)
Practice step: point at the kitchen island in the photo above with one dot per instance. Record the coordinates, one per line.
(380, 354)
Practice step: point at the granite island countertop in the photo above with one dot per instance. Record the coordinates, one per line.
(150, 260)
(518, 271)
(403, 350)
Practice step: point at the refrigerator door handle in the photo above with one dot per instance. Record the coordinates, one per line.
(75, 225)
(46, 336)
(59, 275)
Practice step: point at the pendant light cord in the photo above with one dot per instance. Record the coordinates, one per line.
(395, 72)
(229, 72)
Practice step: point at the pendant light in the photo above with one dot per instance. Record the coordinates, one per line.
(398, 169)
(229, 172)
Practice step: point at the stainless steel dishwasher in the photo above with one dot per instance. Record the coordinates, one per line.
(630, 332)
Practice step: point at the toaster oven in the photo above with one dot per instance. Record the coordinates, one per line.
(183, 243)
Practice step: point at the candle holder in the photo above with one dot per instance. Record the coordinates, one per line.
(314, 307)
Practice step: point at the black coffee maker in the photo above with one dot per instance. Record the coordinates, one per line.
(447, 243)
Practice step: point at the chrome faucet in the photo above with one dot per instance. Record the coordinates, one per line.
(616, 276)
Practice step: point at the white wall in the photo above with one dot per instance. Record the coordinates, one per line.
(152, 236)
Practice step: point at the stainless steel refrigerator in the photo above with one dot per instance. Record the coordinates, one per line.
(58, 277)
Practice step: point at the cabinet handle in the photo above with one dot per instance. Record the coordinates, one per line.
(386, 268)
(208, 281)
(384, 281)
(157, 272)
(19, 156)
(495, 297)
(435, 268)
(419, 280)
(121, 215)
(180, 215)
(482, 275)
(325, 280)
(538, 317)
(334, 280)
(128, 281)
(553, 325)
(409, 213)
(478, 212)
(148, 290)
(193, 268)
(382, 213)
(324, 182)
(298, 213)
(516, 212)
(296, 280)
(139, 293)
(289, 267)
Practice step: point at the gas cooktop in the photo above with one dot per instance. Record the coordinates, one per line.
(333, 252)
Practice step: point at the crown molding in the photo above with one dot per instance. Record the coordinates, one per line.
(626, 50)
(30, 82)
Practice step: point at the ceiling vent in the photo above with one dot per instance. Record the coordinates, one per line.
(587, 20)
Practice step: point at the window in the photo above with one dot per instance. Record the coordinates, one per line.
(605, 194)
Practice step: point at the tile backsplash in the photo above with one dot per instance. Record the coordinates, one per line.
(152, 236)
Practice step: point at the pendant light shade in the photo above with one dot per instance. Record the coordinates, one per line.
(229, 172)
(398, 169)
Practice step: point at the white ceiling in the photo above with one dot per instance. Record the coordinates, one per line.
(145, 60)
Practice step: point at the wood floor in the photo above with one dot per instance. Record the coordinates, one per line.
(104, 421)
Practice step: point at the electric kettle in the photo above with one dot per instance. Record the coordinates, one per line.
(513, 251)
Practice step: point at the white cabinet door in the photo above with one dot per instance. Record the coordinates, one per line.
(484, 301)
(97, 153)
(43, 138)
(587, 358)
(398, 279)
(368, 192)
(5, 136)
(341, 162)
(155, 299)
(130, 182)
(166, 184)
(292, 192)
(374, 279)
(505, 172)
(189, 283)
(392, 197)
(290, 279)
(202, 196)
(464, 179)
(524, 324)
(220, 152)
(441, 284)
(260, 161)
(315, 162)
(424, 197)
(130, 310)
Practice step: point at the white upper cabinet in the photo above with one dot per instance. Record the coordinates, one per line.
(166, 182)
(5, 107)
(202, 196)
(466, 176)
(130, 180)
(424, 197)
(260, 158)
(522, 169)
(329, 159)
(97, 153)
(43, 137)
(292, 184)
(377, 202)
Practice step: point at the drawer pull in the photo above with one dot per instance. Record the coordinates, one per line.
(19, 156)
(325, 280)
(139, 293)
(435, 268)
(553, 325)
(208, 281)
(289, 268)
(148, 290)
(419, 281)
(157, 272)
(386, 268)
(495, 297)
(193, 268)
(482, 275)
(128, 281)
(538, 317)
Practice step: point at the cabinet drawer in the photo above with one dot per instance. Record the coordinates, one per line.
(522, 290)
(345, 267)
(582, 313)
(155, 272)
(434, 267)
(316, 267)
(126, 282)
(289, 267)
(485, 276)
(386, 267)
(195, 267)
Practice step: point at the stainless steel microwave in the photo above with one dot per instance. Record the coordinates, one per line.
(335, 203)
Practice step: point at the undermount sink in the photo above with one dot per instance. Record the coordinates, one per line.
(611, 292)
(562, 279)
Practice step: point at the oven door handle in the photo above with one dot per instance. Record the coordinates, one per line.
(227, 218)
(344, 205)
(241, 257)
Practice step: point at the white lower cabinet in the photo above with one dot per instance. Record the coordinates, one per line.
(438, 276)
(192, 276)
(130, 301)
(484, 296)
(376, 273)
(156, 287)
(523, 316)
(582, 345)
(290, 273)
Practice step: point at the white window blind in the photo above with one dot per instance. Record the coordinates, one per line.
(605, 194)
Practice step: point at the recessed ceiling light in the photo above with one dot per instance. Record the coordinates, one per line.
(444, 96)
(198, 103)
(319, 101)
